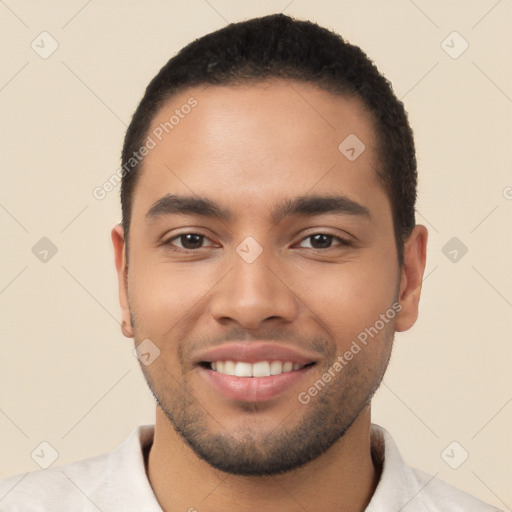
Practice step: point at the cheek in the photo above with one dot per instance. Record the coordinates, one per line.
(162, 293)
(347, 298)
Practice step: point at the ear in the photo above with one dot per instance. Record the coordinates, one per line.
(415, 256)
(122, 276)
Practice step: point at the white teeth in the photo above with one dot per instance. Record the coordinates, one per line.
(258, 369)
(287, 367)
(243, 369)
(229, 368)
(276, 367)
(261, 369)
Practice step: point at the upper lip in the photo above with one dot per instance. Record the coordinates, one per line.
(254, 351)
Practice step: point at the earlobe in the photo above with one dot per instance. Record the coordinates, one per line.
(118, 241)
(413, 268)
(126, 329)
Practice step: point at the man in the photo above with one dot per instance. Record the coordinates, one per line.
(267, 255)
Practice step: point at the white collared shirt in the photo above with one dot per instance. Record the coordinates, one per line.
(117, 482)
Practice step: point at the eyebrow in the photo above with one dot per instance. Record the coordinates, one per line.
(192, 205)
(303, 205)
(318, 205)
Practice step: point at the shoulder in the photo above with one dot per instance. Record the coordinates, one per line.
(404, 488)
(57, 489)
(113, 481)
(439, 496)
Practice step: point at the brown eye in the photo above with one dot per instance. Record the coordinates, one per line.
(192, 241)
(188, 241)
(323, 241)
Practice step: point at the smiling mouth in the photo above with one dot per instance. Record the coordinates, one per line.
(257, 369)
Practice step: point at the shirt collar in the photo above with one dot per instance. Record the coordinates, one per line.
(398, 487)
(132, 483)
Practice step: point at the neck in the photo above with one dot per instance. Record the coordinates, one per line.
(342, 480)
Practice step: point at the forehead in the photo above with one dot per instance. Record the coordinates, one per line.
(252, 145)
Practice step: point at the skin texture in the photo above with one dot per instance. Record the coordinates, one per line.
(248, 148)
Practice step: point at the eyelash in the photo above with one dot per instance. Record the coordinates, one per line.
(342, 241)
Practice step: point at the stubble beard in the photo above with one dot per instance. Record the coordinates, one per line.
(321, 423)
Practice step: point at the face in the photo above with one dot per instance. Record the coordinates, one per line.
(263, 268)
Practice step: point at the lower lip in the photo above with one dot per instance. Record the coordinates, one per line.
(253, 389)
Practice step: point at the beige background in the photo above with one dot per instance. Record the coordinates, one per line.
(67, 375)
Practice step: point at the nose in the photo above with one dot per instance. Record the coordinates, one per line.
(252, 294)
